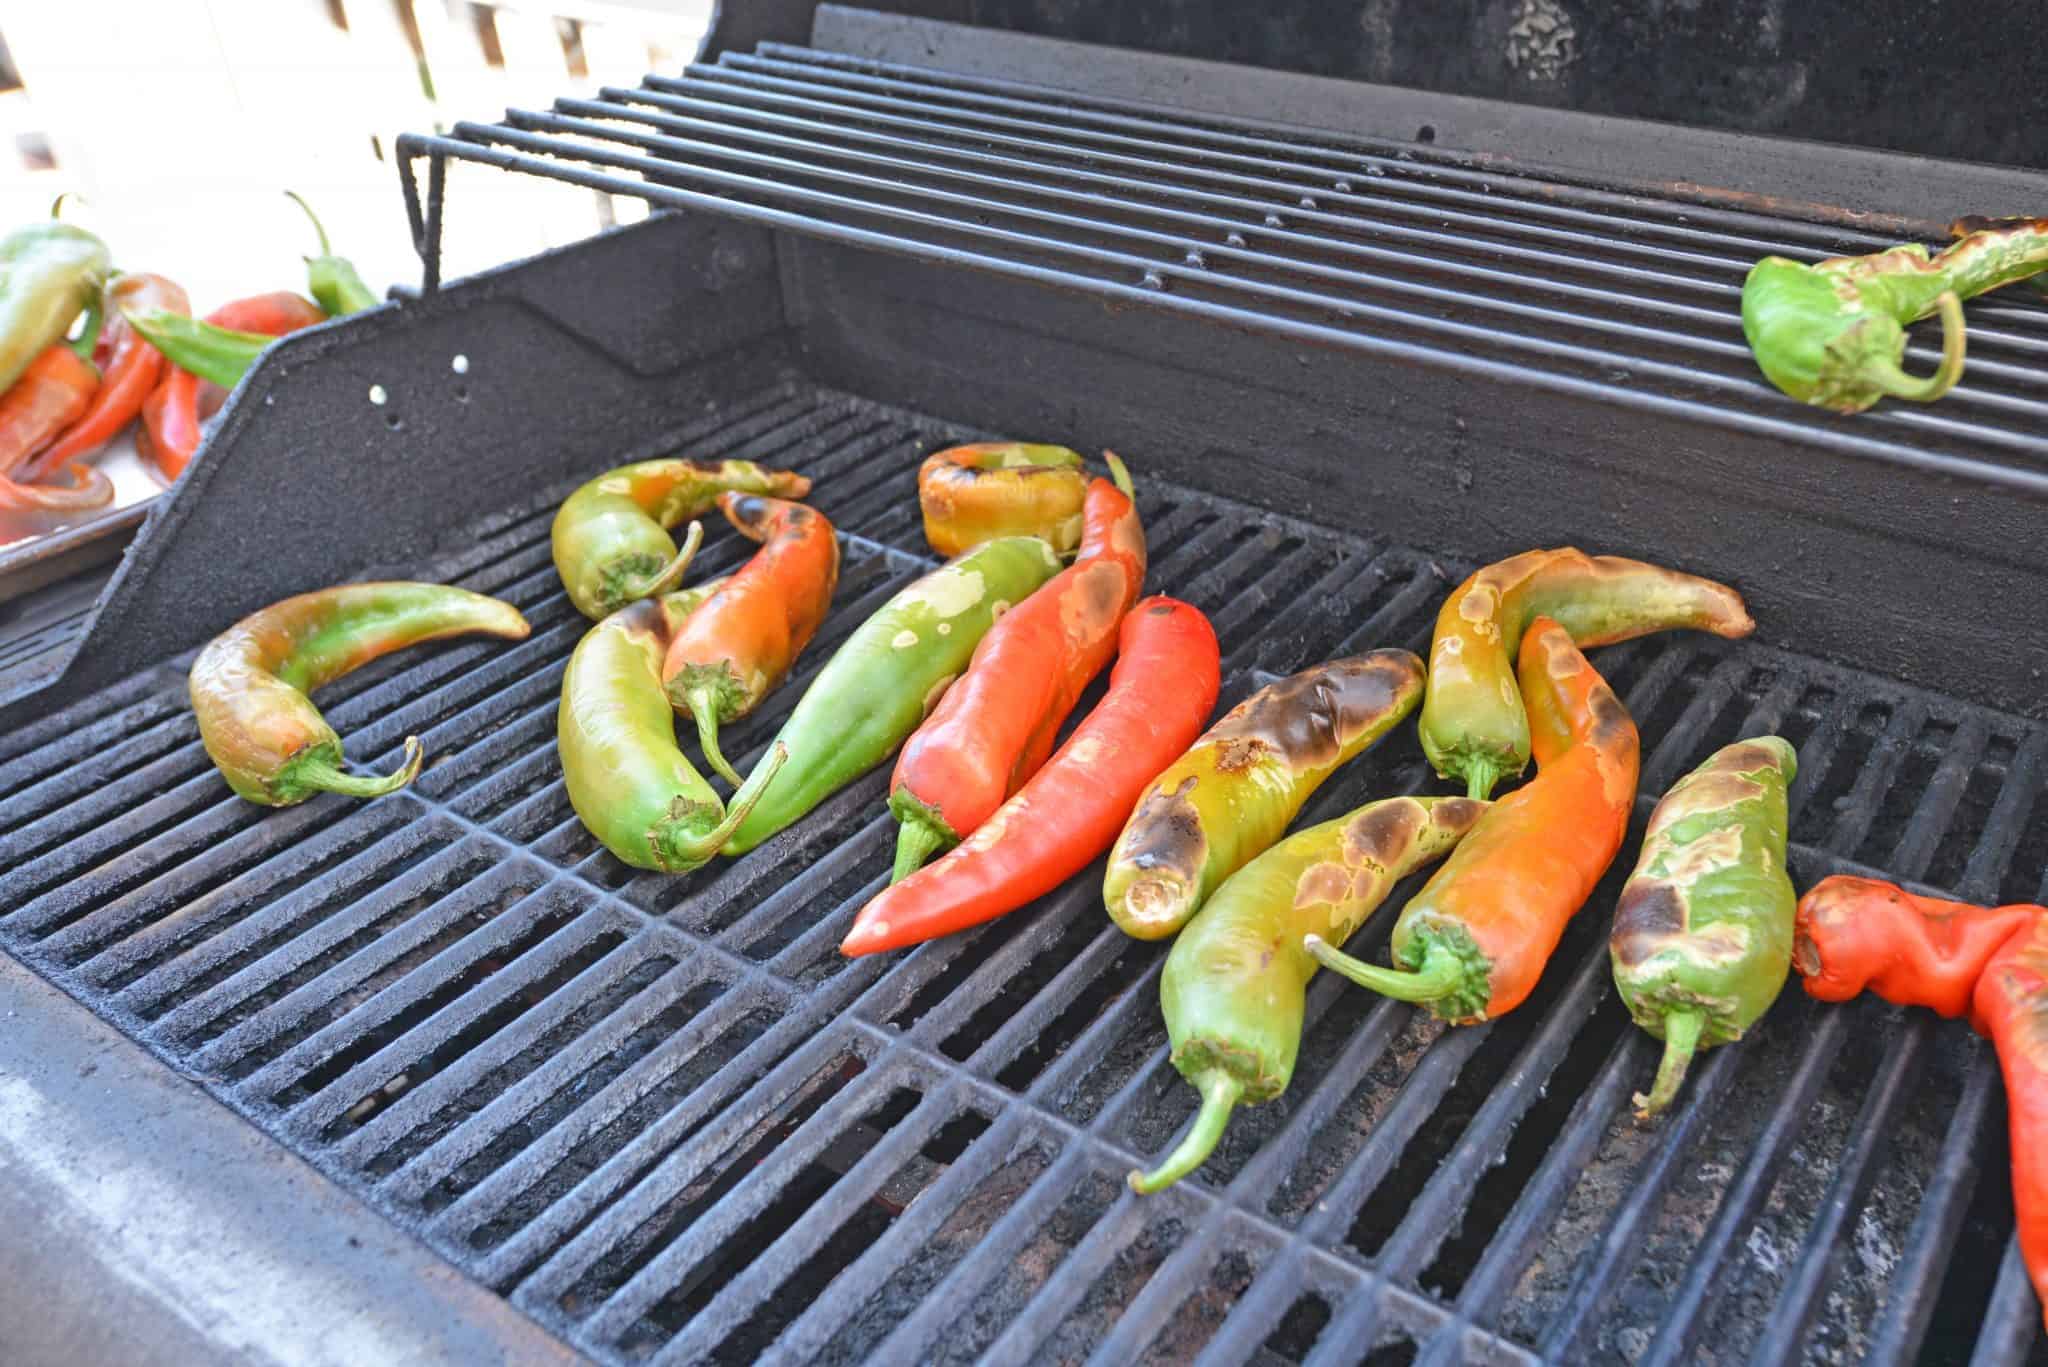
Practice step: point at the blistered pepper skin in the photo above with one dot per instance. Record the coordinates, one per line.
(1854, 935)
(1234, 793)
(2010, 1006)
(1702, 937)
(976, 493)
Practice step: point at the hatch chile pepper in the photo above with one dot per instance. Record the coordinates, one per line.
(1473, 725)
(1245, 780)
(2010, 1006)
(131, 366)
(1702, 935)
(1833, 333)
(170, 415)
(331, 279)
(1472, 944)
(630, 784)
(610, 537)
(971, 494)
(1160, 695)
(1236, 980)
(215, 354)
(739, 645)
(995, 727)
(249, 684)
(1853, 935)
(50, 273)
(55, 390)
(889, 675)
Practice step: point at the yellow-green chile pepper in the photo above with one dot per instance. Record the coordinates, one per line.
(1235, 791)
(50, 273)
(889, 675)
(1702, 936)
(1236, 981)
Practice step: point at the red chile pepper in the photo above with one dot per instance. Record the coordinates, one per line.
(2010, 1005)
(995, 727)
(51, 394)
(170, 416)
(1160, 695)
(1852, 935)
(130, 369)
(732, 652)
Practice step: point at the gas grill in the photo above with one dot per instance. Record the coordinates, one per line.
(666, 1121)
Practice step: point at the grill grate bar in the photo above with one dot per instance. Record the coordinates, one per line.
(2012, 1322)
(2007, 821)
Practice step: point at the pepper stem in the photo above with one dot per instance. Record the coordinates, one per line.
(1119, 475)
(1440, 975)
(317, 773)
(88, 338)
(916, 841)
(672, 573)
(695, 852)
(1888, 376)
(1481, 773)
(1220, 1093)
(703, 705)
(293, 196)
(1681, 1038)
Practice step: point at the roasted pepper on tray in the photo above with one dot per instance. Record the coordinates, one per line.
(131, 366)
(1702, 935)
(995, 727)
(610, 537)
(1833, 333)
(972, 494)
(1236, 981)
(889, 675)
(1472, 944)
(1160, 695)
(1473, 726)
(737, 647)
(1243, 782)
(249, 684)
(55, 391)
(50, 273)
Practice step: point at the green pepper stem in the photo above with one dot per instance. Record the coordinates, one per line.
(1481, 773)
(1681, 1038)
(916, 841)
(672, 573)
(1888, 376)
(1119, 475)
(318, 774)
(703, 705)
(1440, 975)
(95, 317)
(1220, 1092)
(695, 852)
(293, 196)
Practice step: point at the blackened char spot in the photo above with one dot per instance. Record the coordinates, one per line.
(1746, 758)
(1647, 914)
(1167, 834)
(1382, 832)
(1612, 725)
(1309, 717)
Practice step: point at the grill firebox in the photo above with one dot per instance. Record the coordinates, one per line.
(665, 1119)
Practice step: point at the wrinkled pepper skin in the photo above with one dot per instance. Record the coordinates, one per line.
(996, 726)
(972, 494)
(631, 785)
(889, 675)
(130, 369)
(1234, 793)
(50, 273)
(1473, 943)
(1854, 935)
(1833, 334)
(1160, 695)
(2010, 1006)
(1235, 984)
(55, 391)
(1702, 936)
(249, 684)
(1474, 728)
(611, 537)
(739, 646)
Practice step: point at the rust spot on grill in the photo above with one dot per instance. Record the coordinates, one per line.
(1648, 914)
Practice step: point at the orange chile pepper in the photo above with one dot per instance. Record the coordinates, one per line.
(170, 416)
(1472, 944)
(995, 727)
(130, 368)
(1160, 695)
(55, 389)
(972, 494)
(1852, 935)
(735, 649)
(2010, 1005)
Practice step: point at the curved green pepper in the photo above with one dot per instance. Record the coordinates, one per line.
(1702, 936)
(610, 538)
(49, 274)
(332, 280)
(1236, 981)
(890, 673)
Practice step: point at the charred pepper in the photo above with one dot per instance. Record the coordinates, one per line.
(1236, 981)
(1702, 936)
(1160, 693)
(1473, 725)
(131, 369)
(611, 541)
(995, 727)
(889, 675)
(1833, 334)
(972, 494)
(2010, 1005)
(1244, 781)
(1853, 935)
(738, 647)
(49, 274)
(249, 684)
(1472, 944)
(55, 391)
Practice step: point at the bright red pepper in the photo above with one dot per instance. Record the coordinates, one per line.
(2011, 1006)
(54, 392)
(170, 416)
(130, 368)
(1852, 935)
(1160, 696)
(995, 727)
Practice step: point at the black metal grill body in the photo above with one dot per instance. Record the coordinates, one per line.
(665, 1119)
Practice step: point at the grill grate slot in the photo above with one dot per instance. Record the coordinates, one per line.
(611, 1095)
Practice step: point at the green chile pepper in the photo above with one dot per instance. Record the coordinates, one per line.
(889, 675)
(1702, 935)
(332, 280)
(49, 274)
(1234, 793)
(610, 538)
(631, 785)
(1236, 981)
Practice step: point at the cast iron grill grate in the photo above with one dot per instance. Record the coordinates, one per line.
(667, 1120)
